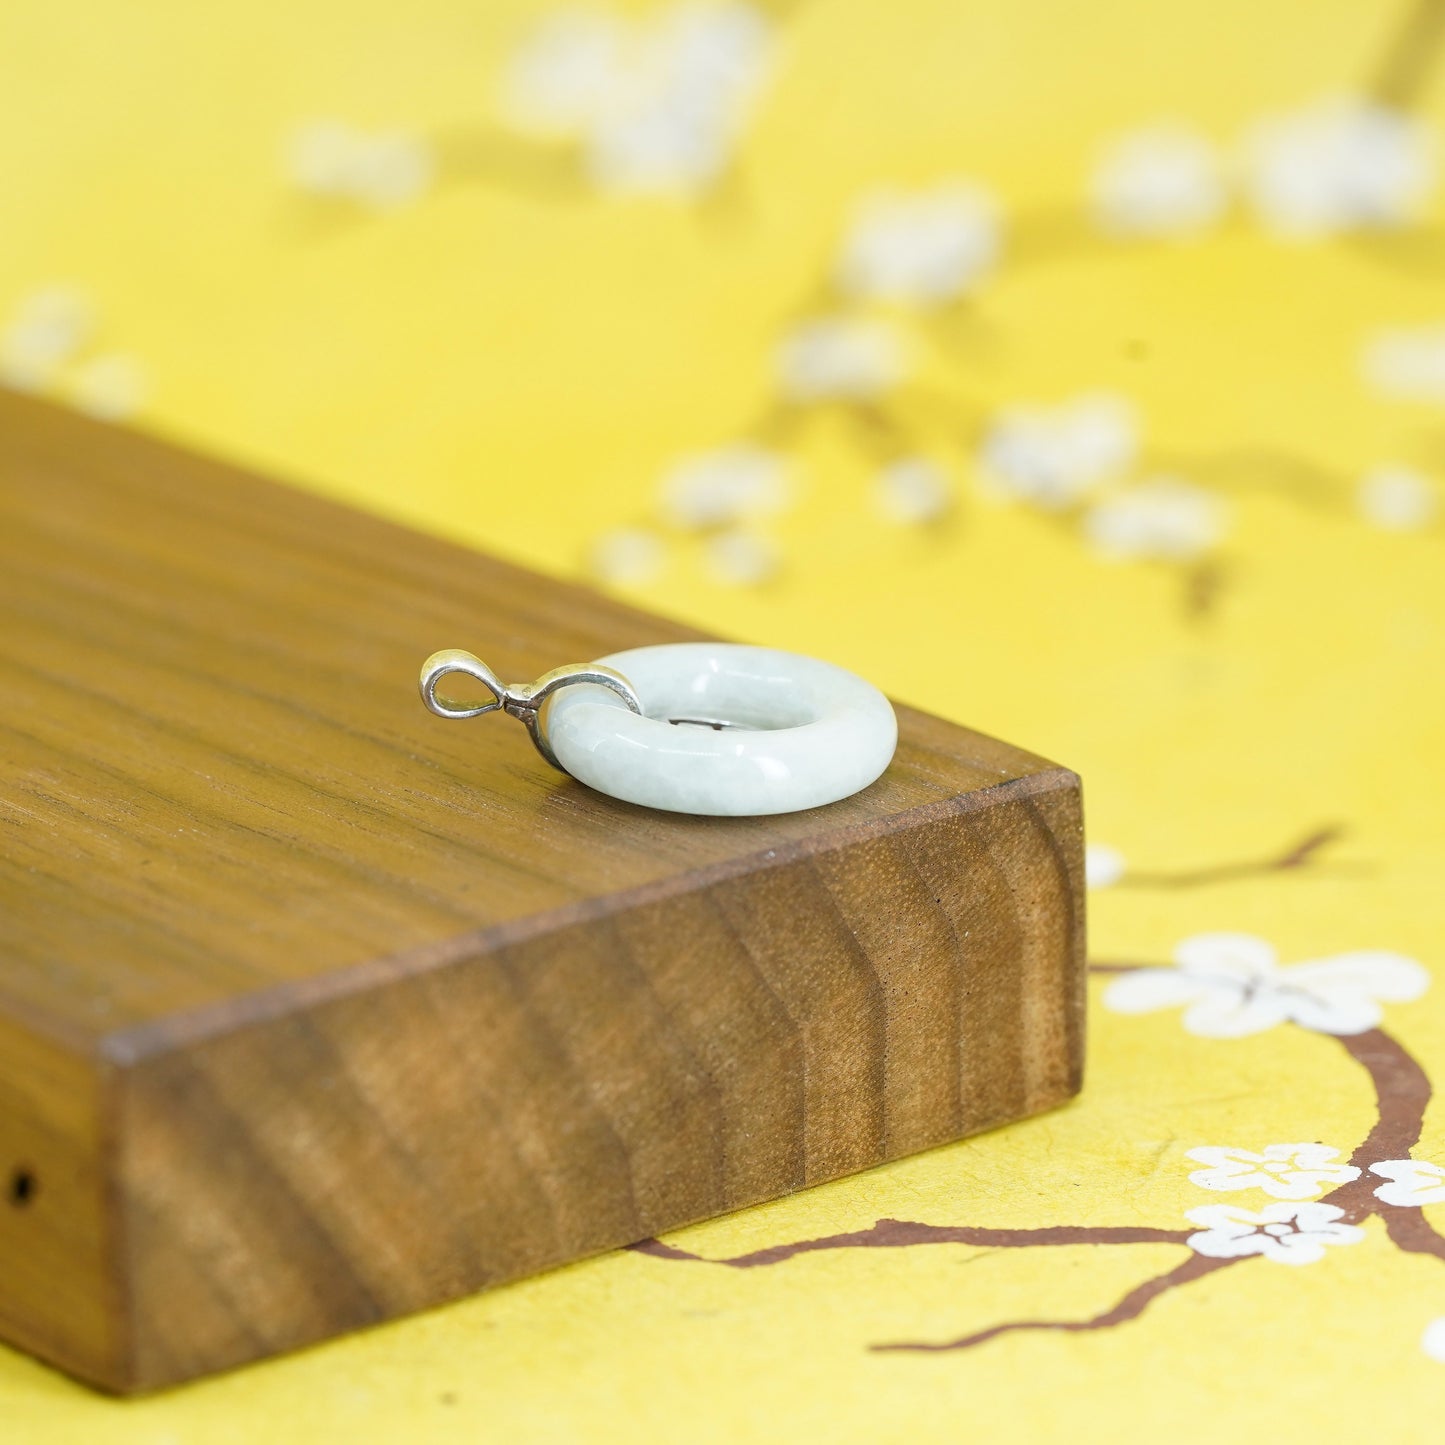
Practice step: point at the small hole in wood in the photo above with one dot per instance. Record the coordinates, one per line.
(22, 1188)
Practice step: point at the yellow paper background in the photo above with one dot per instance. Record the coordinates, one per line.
(516, 367)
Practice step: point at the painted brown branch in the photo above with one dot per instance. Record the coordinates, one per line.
(901, 1233)
(1297, 856)
(1402, 1093)
(1130, 1307)
(1410, 56)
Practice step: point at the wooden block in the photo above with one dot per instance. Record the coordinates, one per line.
(315, 1009)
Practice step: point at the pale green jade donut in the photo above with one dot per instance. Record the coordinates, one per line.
(726, 731)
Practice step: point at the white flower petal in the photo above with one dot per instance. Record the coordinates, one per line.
(1433, 1339)
(1345, 164)
(1164, 519)
(1398, 499)
(1407, 362)
(1238, 956)
(1163, 181)
(626, 557)
(923, 248)
(1103, 865)
(742, 559)
(912, 491)
(841, 358)
(1376, 972)
(1413, 1182)
(1340, 1011)
(1053, 457)
(1144, 990)
(1227, 1012)
(724, 487)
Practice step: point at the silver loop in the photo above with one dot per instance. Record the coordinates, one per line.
(521, 700)
(454, 660)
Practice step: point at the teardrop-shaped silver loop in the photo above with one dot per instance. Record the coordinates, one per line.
(454, 660)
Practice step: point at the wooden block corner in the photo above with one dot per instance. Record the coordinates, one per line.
(316, 1010)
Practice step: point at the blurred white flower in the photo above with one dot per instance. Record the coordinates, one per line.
(110, 387)
(1284, 1233)
(1103, 865)
(1054, 456)
(741, 559)
(1343, 164)
(657, 104)
(1407, 362)
(44, 332)
(626, 557)
(924, 247)
(912, 491)
(1232, 985)
(381, 171)
(559, 81)
(1398, 499)
(839, 358)
(1432, 1341)
(1284, 1171)
(1162, 519)
(1164, 181)
(1412, 1182)
(724, 487)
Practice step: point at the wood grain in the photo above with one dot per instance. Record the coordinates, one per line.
(315, 1009)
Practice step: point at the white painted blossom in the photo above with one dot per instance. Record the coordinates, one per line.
(840, 359)
(724, 487)
(381, 170)
(1284, 1171)
(741, 558)
(1052, 457)
(1232, 984)
(626, 557)
(558, 82)
(1407, 362)
(911, 491)
(1398, 499)
(1162, 519)
(1432, 1341)
(1341, 165)
(1167, 180)
(923, 247)
(1284, 1233)
(1411, 1182)
(657, 103)
(45, 331)
(1103, 866)
(110, 387)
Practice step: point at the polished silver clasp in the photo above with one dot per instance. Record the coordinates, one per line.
(521, 700)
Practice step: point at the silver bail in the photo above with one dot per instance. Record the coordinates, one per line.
(521, 700)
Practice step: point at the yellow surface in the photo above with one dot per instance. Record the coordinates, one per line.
(516, 366)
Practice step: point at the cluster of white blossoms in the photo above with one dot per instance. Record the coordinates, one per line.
(719, 497)
(1340, 165)
(1295, 1233)
(657, 104)
(380, 170)
(1076, 456)
(46, 345)
(1285, 1233)
(841, 358)
(1054, 457)
(924, 248)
